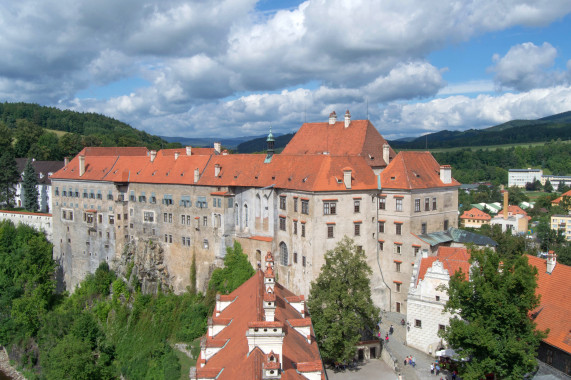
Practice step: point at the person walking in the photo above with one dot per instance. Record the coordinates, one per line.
(413, 361)
(391, 330)
(432, 368)
(387, 338)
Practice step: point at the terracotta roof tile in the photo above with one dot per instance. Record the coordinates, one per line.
(300, 322)
(413, 170)
(452, 258)
(556, 201)
(555, 308)
(474, 213)
(309, 366)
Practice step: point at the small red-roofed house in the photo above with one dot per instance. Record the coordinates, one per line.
(475, 218)
(557, 201)
(554, 311)
(426, 302)
(245, 344)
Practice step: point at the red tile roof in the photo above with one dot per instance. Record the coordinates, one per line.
(413, 170)
(514, 210)
(554, 309)
(556, 201)
(452, 258)
(474, 213)
(361, 138)
(234, 358)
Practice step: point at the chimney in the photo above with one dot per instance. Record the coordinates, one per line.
(386, 153)
(216, 170)
(332, 118)
(176, 154)
(196, 175)
(445, 173)
(225, 152)
(347, 119)
(153, 155)
(347, 178)
(81, 165)
(189, 150)
(551, 261)
(506, 204)
(217, 147)
(65, 161)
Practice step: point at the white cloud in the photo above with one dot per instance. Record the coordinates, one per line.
(526, 66)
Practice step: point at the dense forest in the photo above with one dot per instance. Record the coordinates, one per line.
(48, 133)
(106, 329)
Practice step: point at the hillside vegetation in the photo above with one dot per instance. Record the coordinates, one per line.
(48, 133)
(259, 144)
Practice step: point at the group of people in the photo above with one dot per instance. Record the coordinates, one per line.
(410, 360)
(435, 368)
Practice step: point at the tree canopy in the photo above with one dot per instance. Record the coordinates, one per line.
(491, 327)
(29, 188)
(340, 302)
(237, 269)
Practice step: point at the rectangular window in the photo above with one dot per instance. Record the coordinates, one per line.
(437, 298)
(282, 202)
(182, 219)
(295, 204)
(110, 195)
(397, 287)
(381, 227)
(142, 198)
(441, 327)
(282, 223)
(148, 216)
(330, 231)
(398, 249)
(111, 219)
(295, 257)
(381, 245)
(426, 204)
(92, 195)
(153, 199)
(303, 230)
(416, 249)
(205, 221)
(357, 229)
(397, 267)
(99, 195)
(357, 205)
(185, 201)
(165, 217)
(57, 191)
(418, 323)
(64, 193)
(295, 227)
(89, 218)
(167, 200)
(398, 204)
(84, 193)
(305, 206)
(100, 218)
(398, 228)
(423, 228)
(201, 202)
(417, 205)
(303, 260)
(434, 203)
(183, 240)
(382, 203)
(329, 208)
(445, 224)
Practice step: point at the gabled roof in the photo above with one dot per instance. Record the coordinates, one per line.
(413, 170)
(114, 151)
(474, 213)
(453, 259)
(554, 309)
(458, 236)
(246, 310)
(42, 168)
(515, 210)
(557, 200)
(361, 138)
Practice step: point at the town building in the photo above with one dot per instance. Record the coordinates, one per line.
(562, 223)
(555, 180)
(426, 297)
(553, 284)
(260, 331)
(557, 201)
(474, 218)
(511, 218)
(336, 178)
(520, 177)
(44, 170)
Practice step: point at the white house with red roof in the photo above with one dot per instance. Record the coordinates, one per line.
(426, 300)
(335, 178)
(260, 331)
(475, 218)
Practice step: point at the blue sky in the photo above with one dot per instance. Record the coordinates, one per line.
(231, 68)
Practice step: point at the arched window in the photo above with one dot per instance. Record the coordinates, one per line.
(283, 254)
(258, 205)
(245, 215)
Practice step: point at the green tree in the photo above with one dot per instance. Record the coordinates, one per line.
(9, 178)
(27, 134)
(71, 358)
(491, 324)
(237, 269)
(340, 302)
(29, 187)
(192, 287)
(548, 188)
(5, 138)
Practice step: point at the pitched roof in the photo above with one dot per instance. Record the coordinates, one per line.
(555, 308)
(114, 151)
(235, 361)
(515, 210)
(453, 259)
(413, 170)
(361, 138)
(456, 235)
(566, 194)
(43, 169)
(474, 213)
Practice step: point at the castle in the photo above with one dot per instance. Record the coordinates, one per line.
(157, 211)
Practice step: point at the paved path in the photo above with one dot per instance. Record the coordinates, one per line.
(400, 351)
(374, 369)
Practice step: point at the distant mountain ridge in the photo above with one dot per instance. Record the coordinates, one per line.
(208, 141)
(516, 131)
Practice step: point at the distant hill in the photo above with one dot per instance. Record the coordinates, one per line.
(259, 144)
(208, 141)
(515, 131)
